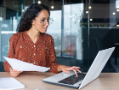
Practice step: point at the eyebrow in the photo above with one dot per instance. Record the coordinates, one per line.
(44, 18)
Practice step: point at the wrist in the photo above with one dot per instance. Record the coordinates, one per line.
(60, 68)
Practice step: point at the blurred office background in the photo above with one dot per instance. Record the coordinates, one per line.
(80, 29)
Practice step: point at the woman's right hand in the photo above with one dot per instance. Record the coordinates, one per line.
(14, 72)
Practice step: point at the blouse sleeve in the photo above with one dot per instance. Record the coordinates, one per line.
(51, 62)
(11, 53)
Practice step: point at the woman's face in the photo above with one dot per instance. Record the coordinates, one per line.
(41, 22)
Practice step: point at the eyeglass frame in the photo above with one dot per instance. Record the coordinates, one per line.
(45, 21)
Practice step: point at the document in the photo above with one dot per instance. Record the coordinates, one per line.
(24, 66)
(10, 84)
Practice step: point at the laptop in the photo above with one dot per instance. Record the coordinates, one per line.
(70, 80)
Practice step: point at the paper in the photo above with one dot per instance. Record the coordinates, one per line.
(10, 84)
(24, 66)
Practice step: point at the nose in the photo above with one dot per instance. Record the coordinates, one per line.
(47, 23)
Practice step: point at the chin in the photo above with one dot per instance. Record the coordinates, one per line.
(43, 32)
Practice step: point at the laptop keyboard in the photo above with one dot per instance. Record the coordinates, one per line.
(73, 79)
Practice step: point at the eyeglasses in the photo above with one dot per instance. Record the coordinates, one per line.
(43, 22)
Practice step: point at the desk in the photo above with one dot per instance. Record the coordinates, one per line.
(32, 81)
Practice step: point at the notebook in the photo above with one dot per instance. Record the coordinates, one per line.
(84, 79)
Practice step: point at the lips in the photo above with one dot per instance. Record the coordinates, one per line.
(45, 28)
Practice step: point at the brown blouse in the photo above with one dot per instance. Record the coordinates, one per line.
(41, 53)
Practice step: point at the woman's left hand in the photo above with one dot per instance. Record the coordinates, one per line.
(67, 69)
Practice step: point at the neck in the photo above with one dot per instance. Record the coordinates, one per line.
(34, 34)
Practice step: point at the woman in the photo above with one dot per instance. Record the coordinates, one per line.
(32, 44)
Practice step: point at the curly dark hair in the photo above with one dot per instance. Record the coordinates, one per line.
(29, 15)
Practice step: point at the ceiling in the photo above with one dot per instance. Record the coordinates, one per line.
(100, 8)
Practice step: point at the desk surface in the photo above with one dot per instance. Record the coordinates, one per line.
(32, 81)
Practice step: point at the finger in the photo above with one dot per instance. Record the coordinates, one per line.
(72, 68)
(66, 71)
(78, 70)
(13, 74)
(19, 72)
(15, 69)
(76, 67)
(75, 72)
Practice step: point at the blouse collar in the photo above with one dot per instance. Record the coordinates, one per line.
(27, 38)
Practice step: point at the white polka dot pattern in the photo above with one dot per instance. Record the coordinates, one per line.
(41, 53)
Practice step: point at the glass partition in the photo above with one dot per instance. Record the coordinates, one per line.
(80, 29)
(8, 23)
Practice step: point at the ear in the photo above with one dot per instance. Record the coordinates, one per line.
(33, 22)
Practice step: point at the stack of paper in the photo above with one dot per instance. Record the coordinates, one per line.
(23, 66)
(10, 84)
